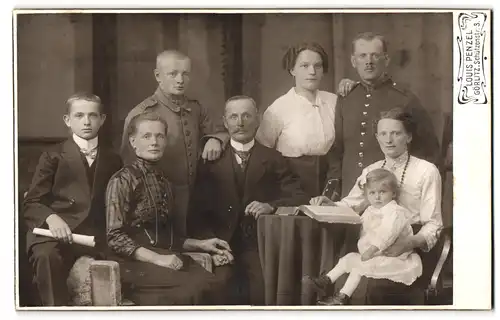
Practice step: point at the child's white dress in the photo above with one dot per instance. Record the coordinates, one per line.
(383, 228)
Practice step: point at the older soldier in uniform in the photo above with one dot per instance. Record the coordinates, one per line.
(355, 145)
(189, 129)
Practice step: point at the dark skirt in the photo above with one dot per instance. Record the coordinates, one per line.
(312, 173)
(147, 284)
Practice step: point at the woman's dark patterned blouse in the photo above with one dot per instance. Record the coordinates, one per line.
(136, 195)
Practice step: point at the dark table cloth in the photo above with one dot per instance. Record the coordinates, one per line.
(293, 246)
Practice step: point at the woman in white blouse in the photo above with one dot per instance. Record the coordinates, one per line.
(300, 123)
(420, 182)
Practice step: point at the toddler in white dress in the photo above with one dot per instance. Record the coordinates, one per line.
(384, 224)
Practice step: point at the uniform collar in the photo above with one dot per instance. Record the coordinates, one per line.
(174, 105)
(85, 144)
(242, 147)
(385, 78)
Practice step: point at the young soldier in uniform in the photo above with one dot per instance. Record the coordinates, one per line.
(190, 129)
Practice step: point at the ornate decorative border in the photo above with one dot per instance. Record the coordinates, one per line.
(472, 59)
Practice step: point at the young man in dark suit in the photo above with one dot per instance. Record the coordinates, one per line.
(247, 181)
(66, 196)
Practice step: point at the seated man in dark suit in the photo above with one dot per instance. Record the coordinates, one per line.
(66, 196)
(247, 181)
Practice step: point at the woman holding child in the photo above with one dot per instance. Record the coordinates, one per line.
(140, 232)
(385, 236)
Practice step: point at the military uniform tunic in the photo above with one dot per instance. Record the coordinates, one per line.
(189, 127)
(356, 146)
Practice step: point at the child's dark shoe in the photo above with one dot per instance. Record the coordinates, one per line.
(339, 299)
(319, 285)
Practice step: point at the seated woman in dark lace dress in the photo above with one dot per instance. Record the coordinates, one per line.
(140, 232)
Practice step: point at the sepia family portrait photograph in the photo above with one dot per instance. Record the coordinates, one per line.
(247, 158)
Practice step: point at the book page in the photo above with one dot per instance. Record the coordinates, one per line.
(332, 210)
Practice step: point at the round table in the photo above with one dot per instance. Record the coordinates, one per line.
(293, 246)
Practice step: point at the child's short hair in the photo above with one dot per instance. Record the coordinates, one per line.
(83, 96)
(382, 177)
(146, 116)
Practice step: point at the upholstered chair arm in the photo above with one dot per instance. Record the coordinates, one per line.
(105, 279)
(106, 286)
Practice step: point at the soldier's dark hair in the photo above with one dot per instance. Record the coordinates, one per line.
(290, 57)
(368, 36)
(83, 96)
(146, 116)
(382, 177)
(399, 114)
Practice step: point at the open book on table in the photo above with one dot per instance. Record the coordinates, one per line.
(328, 214)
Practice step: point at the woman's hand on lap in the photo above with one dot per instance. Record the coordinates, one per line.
(400, 248)
(170, 261)
(214, 245)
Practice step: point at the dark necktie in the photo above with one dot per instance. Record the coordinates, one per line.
(244, 155)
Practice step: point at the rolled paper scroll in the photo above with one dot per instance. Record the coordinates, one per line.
(77, 238)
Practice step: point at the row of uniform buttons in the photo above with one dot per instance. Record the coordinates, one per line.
(187, 133)
(363, 131)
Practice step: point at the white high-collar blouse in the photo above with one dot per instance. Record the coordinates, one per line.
(295, 127)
